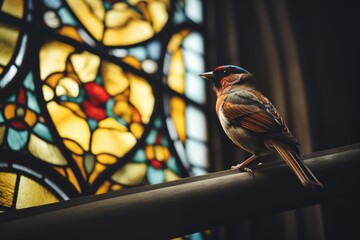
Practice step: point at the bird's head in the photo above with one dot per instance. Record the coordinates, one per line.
(226, 76)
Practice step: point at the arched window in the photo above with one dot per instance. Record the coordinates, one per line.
(98, 96)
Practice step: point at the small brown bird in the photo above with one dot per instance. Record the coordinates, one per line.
(252, 122)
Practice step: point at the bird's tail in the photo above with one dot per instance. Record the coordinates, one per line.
(304, 174)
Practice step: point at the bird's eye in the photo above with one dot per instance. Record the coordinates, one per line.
(225, 71)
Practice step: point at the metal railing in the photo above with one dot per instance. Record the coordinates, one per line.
(177, 208)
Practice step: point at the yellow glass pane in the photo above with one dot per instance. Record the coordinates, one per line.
(161, 153)
(98, 168)
(137, 129)
(112, 142)
(72, 179)
(135, 31)
(32, 194)
(2, 133)
(69, 125)
(46, 151)
(145, 103)
(115, 81)
(106, 159)
(176, 76)
(131, 174)
(53, 57)
(13, 7)
(7, 186)
(104, 188)
(158, 14)
(90, 14)
(48, 93)
(85, 65)
(67, 87)
(170, 176)
(177, 106)
(111, 123)
(119, 15)
(1, 69)
(176, 39)
(75, 108)
(8, 40)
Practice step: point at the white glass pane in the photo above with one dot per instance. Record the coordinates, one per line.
(198, 171)
(195, 124)
(193, 61)
(197, 153)
(193, 9)
(194, 42)
(195, 88)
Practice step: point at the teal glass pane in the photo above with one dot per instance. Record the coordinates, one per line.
(17, 139)
(155, 176)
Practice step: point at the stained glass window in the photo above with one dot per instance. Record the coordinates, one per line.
(97, 96)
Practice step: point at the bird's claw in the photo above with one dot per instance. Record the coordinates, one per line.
(242, 168)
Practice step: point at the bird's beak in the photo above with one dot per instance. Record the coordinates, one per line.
(208, 76)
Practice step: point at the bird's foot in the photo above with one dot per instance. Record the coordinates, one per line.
(242, 168)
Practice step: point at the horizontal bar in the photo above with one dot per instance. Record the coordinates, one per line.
(177, 208)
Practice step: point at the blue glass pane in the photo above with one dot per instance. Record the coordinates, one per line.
(197, 153)
(154, 49)
(194, 62)
(17, 139)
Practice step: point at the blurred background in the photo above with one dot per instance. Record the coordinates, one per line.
(304, 55)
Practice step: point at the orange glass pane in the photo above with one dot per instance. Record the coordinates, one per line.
(7, 186)
(177, 108)
(103, 188)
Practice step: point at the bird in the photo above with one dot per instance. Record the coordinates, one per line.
(252, 122)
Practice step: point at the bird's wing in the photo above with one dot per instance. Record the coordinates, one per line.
(251, 110)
